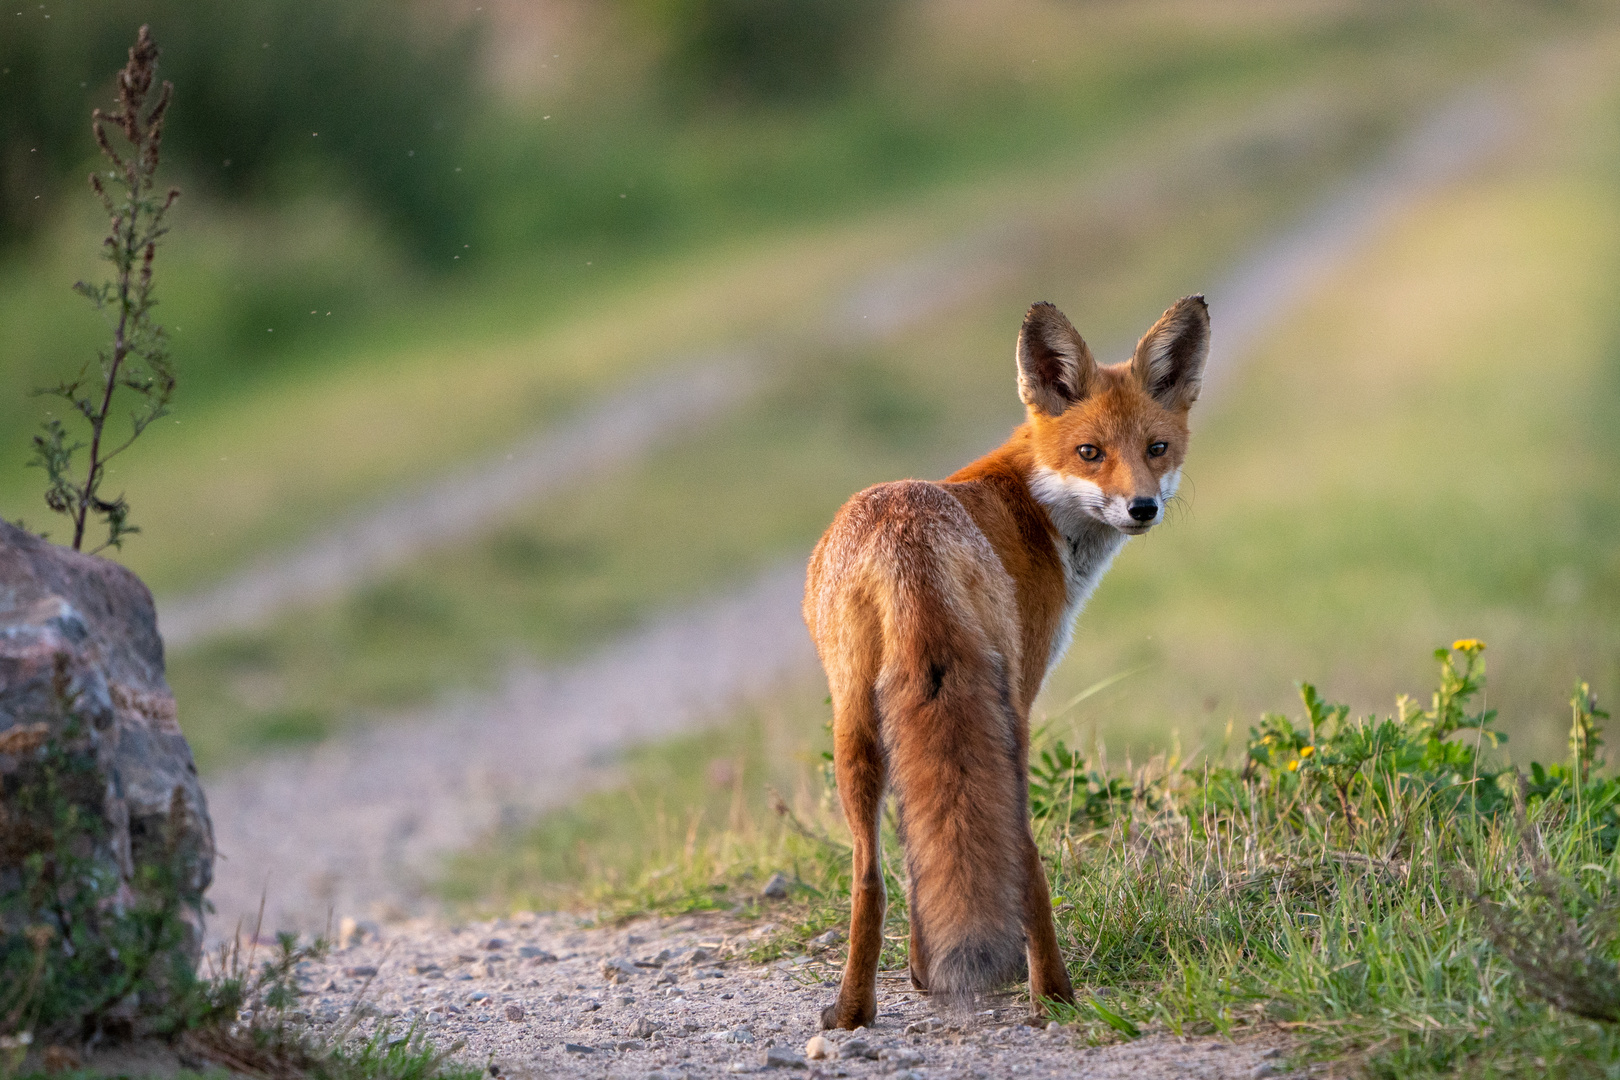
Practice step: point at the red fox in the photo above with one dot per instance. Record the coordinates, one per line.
(937, 610)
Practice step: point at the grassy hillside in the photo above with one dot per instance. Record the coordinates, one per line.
(732, 221)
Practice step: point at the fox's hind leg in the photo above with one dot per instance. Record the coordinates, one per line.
(858, 759)
(1048, 977)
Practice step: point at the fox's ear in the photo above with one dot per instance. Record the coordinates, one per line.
(1055, 369)
(1169, 360)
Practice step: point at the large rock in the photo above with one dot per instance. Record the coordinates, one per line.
(81, 669)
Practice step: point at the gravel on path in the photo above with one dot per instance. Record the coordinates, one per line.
(534, 996)
(356, 826)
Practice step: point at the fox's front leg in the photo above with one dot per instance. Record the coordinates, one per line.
(858, 761)
(1048, 977)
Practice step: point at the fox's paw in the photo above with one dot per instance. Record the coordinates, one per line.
(1040, 1004)
(837, 1015)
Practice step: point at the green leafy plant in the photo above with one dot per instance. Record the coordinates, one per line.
(83, 953)
(137, 359)
(1063, 786)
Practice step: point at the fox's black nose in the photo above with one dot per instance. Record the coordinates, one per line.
(1144, 509)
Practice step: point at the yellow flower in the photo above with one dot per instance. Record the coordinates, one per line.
(1306, 751)
(1468, 644)
(1293, 766)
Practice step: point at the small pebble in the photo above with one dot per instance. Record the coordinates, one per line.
(360, 971)
(817, 1048)
(617, 969)
(776, 888)
(852, 1049)
(780, 1057)
(514, 1011)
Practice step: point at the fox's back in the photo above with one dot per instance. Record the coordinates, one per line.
(907, 544)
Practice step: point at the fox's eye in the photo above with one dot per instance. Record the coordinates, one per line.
(1157, 449)
(1089, 452)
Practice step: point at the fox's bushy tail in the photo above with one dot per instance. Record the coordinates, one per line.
(949, 729)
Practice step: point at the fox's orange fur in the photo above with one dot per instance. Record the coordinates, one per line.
(938, 609)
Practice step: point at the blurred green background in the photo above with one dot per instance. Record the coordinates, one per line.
(412, 235)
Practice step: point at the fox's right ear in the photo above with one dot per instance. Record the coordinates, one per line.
(1055, 368)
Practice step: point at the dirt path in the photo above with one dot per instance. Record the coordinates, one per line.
(543, 997)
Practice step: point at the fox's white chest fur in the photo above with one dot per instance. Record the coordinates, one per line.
(1086, 555)
(1086, 546)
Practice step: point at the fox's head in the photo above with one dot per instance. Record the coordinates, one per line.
(1109, 441)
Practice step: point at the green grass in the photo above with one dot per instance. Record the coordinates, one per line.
(692, 825)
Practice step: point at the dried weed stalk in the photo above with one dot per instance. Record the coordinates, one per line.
(137, 359)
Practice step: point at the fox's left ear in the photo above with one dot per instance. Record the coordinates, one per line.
(1169, 360)
(1055, 368)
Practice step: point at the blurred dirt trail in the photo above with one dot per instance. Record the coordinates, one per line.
(357, 826)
